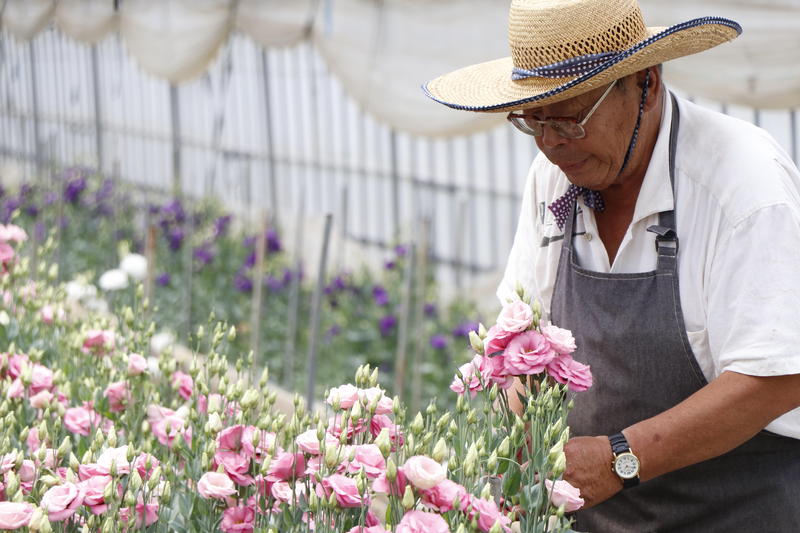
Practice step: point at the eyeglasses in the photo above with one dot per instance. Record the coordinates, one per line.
(566, 127)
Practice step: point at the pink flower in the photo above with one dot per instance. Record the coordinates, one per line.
(379, 422)
(15, 364)
(118, 456)
(515, 317)
(422, 522)
(41, 379)
(368, 457)
(6, 253)
(184, 383)
(372, 529)
(383, 404)
(81, 419)
(238, 519)
(488, 514)
(16, 390)
(61, 501)
(236, 465)
(118, 396)
(11, 232)
(423, 472)
(215, 485)
(528, 353)
(41, 400)
(145, 514)
(345, 490)
(47, 314)
(563, 493)
(475, 375)
(569, 372)
(95, 487)
(265, 444)
(560, 339)
(168, 424)
(136, 364)
(99, 341)
(308, 442)
(442, 496)
(347, 395)
(286, 466)
(496, 340)
(230, 438)
(397, 488)
(15, 515)
(140, 464)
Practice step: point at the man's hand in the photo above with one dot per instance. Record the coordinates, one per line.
(589, 469)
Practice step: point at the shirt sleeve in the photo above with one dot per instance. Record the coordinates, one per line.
(754, 295)
(521, 260)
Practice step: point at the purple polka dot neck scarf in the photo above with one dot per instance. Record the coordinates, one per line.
(562, 206)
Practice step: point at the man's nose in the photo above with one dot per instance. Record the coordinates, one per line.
(550, 138)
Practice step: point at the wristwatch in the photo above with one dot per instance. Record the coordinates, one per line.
(625, 463)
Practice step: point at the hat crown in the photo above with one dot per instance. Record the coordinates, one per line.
(544, 32)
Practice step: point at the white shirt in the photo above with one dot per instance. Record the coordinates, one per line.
(738, 222)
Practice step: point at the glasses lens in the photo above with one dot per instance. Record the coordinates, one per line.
(526, 125)
(567, 129)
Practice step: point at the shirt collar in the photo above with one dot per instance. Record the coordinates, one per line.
(655, 194)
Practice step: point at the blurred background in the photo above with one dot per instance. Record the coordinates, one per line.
(276, 162)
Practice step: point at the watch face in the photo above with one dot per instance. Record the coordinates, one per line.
(626, 466)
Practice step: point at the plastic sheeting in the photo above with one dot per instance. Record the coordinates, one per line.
(25, 18)
(87, 21)
(175, 40)
(273, 23)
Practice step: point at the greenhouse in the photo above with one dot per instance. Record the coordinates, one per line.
(284, 266)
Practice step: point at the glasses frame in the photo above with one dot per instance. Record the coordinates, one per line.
(531, 126)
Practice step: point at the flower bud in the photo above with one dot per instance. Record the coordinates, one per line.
(249, 399)
(166, 492)
(39, 521)
(486, 492)
(65, 447)
(439, 451)
(373, 378)
(232, 334)
(332, 456)
(417, 425)
(134, 480)
(391, 470)
(496, 528)
(491, 463)
(475, 342)
(214, 424)
(130, 499)
(384, 442)
(355, 412)
(408, 498)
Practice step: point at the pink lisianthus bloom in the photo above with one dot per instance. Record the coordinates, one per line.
(383, 404)
(16, 390)
(238, 519)
(353, 428)
(136, 364)
(368, 457)
(396, 488)
(346, 394)
(118, 456)
(475, 375)
(81, 419)
(13, 233)
(27, 475)
(6, 254)
(345, 489)
(15, 515)
(371, 529)
(41, 399)
(230, 438)
(94, 498)
(140, 464)
(168, 424)
(423, 472)
(16, 363)
(215, 485)
(61, 501)
(528, 353)
(515, 317)
(33, 442)
(561, 340)
(118, 396)
(41, 379)
(286, 466)
(379, 422)
(99, 341)
(563, 493)
(146, 514)
(184, 383)
(442, 496)
(488, 514)
(422, 522)
(308, 442)
(257, 443)
(236, 465)
(567, 371)
(496, 340)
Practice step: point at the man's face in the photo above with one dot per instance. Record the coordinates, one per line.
(595, 160)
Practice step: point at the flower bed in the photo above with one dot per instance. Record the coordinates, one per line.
(98, 436)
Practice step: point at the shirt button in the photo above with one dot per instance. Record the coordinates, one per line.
(587, 236)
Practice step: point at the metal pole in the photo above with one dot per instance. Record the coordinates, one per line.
(294, 296)
(37, 147)
(316, 304)
(273, 186)
(98, 120)
(419, 313)
(174, 102)
(258, 289)
(395, 174)
(402, 330)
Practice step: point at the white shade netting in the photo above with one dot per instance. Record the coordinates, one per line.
(87, 21)
(175, 40)
(25, 18)
(760, 69)
(275, 22)
(383, 51)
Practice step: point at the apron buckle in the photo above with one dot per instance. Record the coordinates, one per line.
(666, 239)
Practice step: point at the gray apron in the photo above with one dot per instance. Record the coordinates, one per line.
(629, 328)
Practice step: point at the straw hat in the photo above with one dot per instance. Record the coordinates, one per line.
(563, 48)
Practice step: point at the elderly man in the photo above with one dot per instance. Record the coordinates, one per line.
(667, 238)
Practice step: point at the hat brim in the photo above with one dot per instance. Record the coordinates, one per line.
(488, 87)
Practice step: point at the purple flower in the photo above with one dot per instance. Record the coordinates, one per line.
(339, 283)
(400, 250)
(380, 295)
(175, 238)
(430, 309)
(162, 280)
(242, 283)
(249, 242)
(221, 225)
(204, 254)
(463, 329)
(273, 241)
(49, 198)
(333, 331)
(387, 324)
(250, 260)
(32, 210)
(74, 188)
(274, 284)
(438, 342)
(389, 265)
(40, 231)
(174, 211)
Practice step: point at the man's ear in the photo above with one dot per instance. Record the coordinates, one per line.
(653, 85)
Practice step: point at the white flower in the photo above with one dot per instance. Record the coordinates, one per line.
(78, 290)
(135, 265)
(161, 341)
(113, 280)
